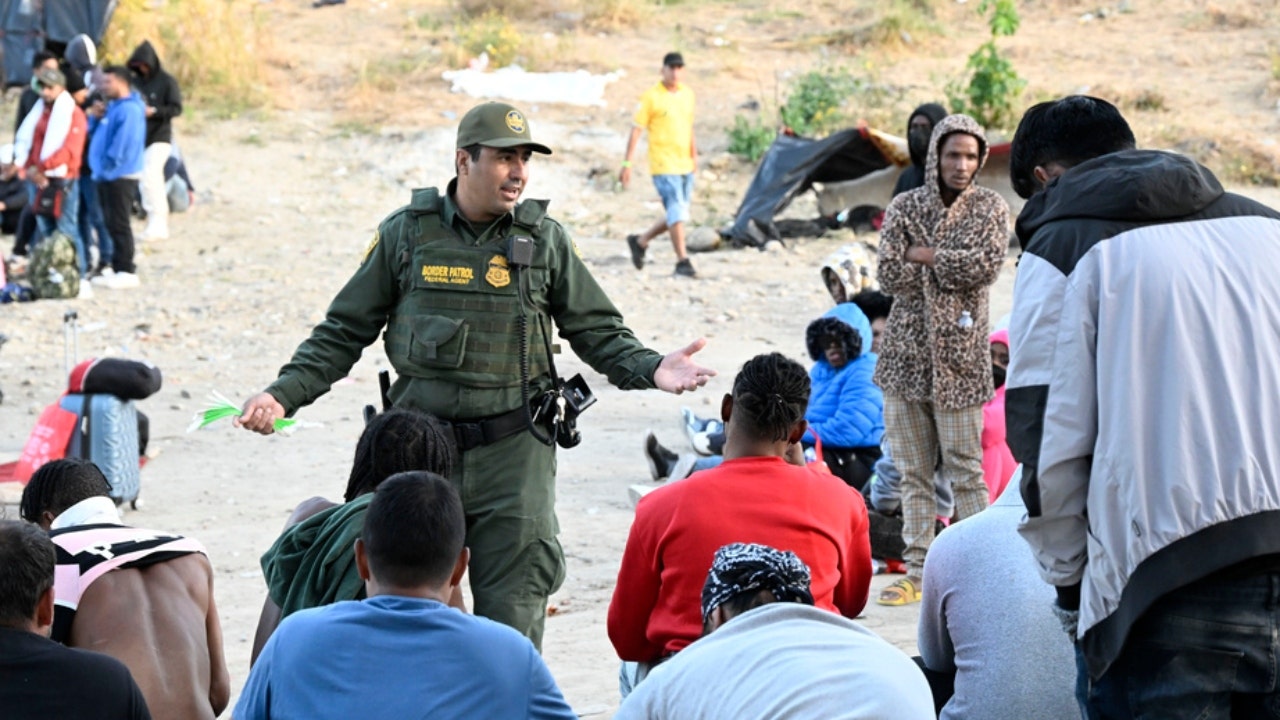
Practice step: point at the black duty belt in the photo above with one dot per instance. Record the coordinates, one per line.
(472, 434)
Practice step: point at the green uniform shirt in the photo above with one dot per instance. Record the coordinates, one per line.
(433, 275)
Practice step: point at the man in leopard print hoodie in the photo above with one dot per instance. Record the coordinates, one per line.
(941, 249)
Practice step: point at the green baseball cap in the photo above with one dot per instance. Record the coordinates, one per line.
(497, 125)
(51, 77)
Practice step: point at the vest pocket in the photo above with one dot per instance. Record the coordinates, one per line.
(438, 342)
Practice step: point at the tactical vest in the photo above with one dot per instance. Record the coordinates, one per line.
(458, 317)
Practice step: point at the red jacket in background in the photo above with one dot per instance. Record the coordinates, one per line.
(657, 603)
(70, 154)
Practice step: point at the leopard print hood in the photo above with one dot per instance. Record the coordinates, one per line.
(950, 125)
(935, 345)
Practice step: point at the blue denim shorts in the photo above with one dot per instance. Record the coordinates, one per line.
(676, 192)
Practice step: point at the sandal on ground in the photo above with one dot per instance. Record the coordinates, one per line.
(903, 592)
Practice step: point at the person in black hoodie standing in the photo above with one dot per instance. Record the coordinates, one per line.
(163, 98)
(919, 130)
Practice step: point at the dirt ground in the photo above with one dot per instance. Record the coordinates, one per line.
(288, 200)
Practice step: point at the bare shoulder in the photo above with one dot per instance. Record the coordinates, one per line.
(308, 508)
(185, 576)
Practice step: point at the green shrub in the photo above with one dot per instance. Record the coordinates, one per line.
(814, 104)
(750, 137)
(992, 86)
(491, 33)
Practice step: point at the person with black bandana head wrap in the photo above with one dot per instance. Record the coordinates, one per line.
(919, 129)
(745, 576)
(767, 652)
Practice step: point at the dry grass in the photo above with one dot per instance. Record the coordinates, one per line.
(1236, 16)
(1233, 161)
(769, 43)
(616, 14)
(216, 49)
(1146, 99)
(898, 24)
(390, 75)
(894, 26)
(600, 14)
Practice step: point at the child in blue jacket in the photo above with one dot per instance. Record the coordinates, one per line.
(846, 409)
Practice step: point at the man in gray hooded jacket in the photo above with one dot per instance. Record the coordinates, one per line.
(1143, 402)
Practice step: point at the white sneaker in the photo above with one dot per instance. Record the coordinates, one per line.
(86, 291)
(103, 276)
(120, 281)
(683, 466)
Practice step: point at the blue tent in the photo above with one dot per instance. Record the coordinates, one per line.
(28, 26)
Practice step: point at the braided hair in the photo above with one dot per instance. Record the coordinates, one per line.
(59, 484)
(400, 440)
(772, 393)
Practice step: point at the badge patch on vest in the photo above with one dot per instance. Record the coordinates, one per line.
(448, 274)
(499, 274)
(372, 244)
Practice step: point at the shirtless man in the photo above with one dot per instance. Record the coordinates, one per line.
(107, 574)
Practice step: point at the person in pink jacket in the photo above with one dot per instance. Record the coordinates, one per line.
(997, 461)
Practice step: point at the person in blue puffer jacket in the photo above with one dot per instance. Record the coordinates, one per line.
(846, 409)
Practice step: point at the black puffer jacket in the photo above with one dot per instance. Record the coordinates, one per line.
(159, 90)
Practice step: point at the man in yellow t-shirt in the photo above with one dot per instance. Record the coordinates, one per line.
(666, 111)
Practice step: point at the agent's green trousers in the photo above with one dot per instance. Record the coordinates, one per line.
(508, 491)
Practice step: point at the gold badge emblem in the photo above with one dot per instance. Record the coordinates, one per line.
(372, 244)
(499, 274)
(515, 121)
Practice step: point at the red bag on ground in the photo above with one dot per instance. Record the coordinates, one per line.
(48, 441)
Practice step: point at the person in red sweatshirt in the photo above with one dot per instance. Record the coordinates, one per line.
(50, 145)
(755, 496)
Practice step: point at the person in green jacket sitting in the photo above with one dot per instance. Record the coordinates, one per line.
(311, 564)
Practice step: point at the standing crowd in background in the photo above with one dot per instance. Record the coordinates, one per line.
(93, 147)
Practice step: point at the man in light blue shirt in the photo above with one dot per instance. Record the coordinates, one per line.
(403, 652)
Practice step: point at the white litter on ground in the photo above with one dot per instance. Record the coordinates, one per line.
(515, 84)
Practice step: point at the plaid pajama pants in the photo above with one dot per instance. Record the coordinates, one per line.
(919, 434)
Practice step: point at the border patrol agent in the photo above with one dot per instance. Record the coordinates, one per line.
(467, 318)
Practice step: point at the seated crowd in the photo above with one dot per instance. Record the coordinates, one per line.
(768, 550)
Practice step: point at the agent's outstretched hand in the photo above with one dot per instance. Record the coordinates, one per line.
(679, 372)
(260, 411)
